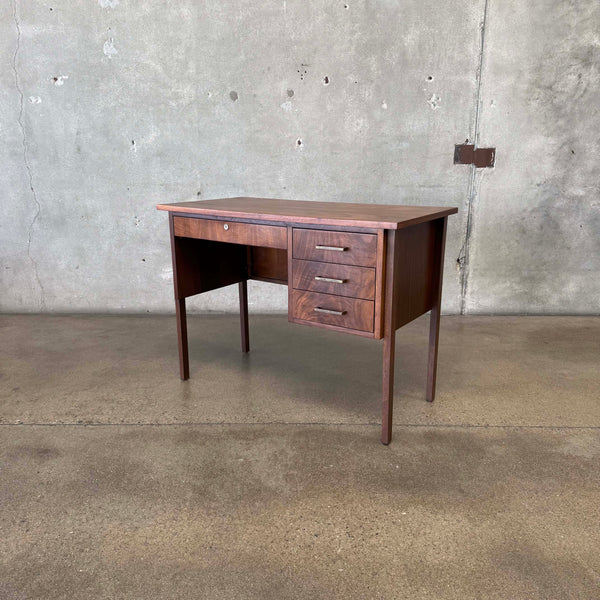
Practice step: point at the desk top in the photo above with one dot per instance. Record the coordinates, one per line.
(343, 214)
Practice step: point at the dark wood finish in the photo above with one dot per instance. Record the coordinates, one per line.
(379, 285)
(268, 264)
(376, 216)
(179, 269)
(257, 220)
(243, 291)
(391, 265)
(290, 234)
(387, 404)
(357, 314)
(360, 249)
(270, 236)
(414, 264)
(201, 265)
(434, 321)
(389, 339)
(325, 227)
(356, 282)
(182, 338)
(358, 332)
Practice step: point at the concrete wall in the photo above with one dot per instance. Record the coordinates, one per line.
(108, 107)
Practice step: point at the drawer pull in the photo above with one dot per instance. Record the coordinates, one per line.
(328, 311)
(329, 279)
(337, 248)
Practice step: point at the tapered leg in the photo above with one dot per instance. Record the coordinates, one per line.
(389, 348)
(243, 286)
(434, 320)
(184, 364)
(434, 334)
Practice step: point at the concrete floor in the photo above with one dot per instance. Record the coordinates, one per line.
(263, 477)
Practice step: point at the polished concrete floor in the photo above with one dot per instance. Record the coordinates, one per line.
(263, 477)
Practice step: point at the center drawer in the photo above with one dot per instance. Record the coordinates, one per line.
(251, 234)
(340, 247)
(331, 278)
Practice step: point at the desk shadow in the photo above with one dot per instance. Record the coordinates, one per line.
(91, 368)
(313, 366)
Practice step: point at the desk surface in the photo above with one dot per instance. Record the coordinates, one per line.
(378, 216)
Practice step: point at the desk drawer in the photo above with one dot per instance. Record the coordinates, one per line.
(251, 234)
(350, 313)
(331, 278)
(335, 246)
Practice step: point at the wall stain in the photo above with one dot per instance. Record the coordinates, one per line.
(302, 71)
(109, 48)
(434, 102)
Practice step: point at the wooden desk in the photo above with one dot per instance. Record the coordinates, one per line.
(364, 269)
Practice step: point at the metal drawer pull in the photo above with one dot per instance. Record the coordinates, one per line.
(328, 311)
(338, 248)
(329, 279)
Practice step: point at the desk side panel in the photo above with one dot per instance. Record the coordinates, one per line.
(415, 260)
(203, 265)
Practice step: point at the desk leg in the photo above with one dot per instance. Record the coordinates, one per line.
(243, 286)
(434, 320)
(389, 337)
(184, 363)
(389, 349)
(434, 334)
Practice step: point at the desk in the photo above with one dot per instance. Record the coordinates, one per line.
(362, 269)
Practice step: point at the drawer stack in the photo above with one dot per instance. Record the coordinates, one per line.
(333, 278)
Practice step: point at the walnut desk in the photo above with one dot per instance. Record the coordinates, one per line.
(364, 269)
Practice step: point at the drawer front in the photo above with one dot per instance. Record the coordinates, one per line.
(269, 236)
(331, 278)
(350, 313)
(335, 246)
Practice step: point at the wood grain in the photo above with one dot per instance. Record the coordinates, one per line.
(377, 216)
(360, 249)
(268, 264)
(414, 266)
(358, 314)
(358, 282)
(269, 236)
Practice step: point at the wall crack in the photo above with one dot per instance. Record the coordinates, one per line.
(473, 185)
(28, 169)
